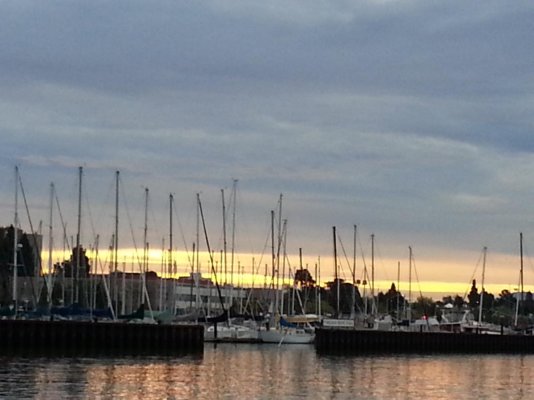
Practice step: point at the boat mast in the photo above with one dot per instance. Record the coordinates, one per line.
(116, 245)
(410, 285)
(482, 291)
(145, 233)
(198, 233)
(213, 269)
(78, 255)
(161, 278)
(316, 290)
(319, 282)
(273, 263)
(277, 260)
(233, 232)
(521, 270)
(145, 249)
(123, 287)
(278, 291)
(284, 256)
(353, 311)
(93, 282)
(197, 280)
(336, 277)
(145, 269)
(15, 239)
(374, 307)
(170, 265)
(224, 238)
(516, 310)
(398, 289)
(50, 245)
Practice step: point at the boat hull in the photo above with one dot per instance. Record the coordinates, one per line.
(286, 336)
(232, 333)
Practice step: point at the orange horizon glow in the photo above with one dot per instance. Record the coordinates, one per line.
(437, 278)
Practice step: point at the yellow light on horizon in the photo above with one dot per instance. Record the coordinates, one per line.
(440, 277)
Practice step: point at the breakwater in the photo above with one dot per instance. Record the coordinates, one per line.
(347, 341)
(85, 337)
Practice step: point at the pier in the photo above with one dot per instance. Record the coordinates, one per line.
(86, 337)
(351, 341)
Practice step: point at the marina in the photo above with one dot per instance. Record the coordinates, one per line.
(71, 305)
(266, 200)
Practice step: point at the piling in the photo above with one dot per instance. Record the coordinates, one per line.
(347, 341)
(80, 337)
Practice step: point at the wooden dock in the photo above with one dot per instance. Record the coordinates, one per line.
(85, 337)
(351, 341)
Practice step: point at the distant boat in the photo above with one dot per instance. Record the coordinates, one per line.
(287, 333)
(76, 312)
(245, 331)
(217, 319)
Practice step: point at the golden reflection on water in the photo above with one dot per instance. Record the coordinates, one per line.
(145, 379)
(270, 372)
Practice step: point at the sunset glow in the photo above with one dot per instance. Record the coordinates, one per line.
(429, 278)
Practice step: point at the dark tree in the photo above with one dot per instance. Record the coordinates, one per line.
(528, 304)
(349, 296)
(391, 300)
(459, 302)
(28, 261)
(69, 266)
(473, 295)
(303, 278)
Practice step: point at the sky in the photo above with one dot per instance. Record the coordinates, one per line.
(410, 119)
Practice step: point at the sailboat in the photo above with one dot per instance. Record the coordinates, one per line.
(283, 331)
(230, 329)
(287, 333)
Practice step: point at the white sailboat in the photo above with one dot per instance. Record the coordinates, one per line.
(283, 332)
(287, 336)
(233, 331)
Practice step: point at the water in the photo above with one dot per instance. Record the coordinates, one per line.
(269, 372)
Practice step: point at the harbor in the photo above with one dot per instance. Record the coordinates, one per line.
(80, 304)
(266, 200)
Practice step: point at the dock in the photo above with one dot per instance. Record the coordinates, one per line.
(352, 341)
(87, 337)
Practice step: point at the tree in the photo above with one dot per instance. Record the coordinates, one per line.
(488, 300)
(458, 302)
(346, 292)
(69, 266)
(424, 306)
(506, 300)
(28, 259)
(390, 301)
(528, 304)
(303, 278)
(473, 295)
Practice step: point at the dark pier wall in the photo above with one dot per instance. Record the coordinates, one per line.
(99, 337)
(340, 341)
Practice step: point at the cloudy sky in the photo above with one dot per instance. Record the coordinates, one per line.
(411, 119)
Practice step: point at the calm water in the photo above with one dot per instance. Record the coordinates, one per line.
(269, 372)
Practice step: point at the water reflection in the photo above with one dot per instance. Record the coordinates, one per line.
(268, 372)
(433, 376)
